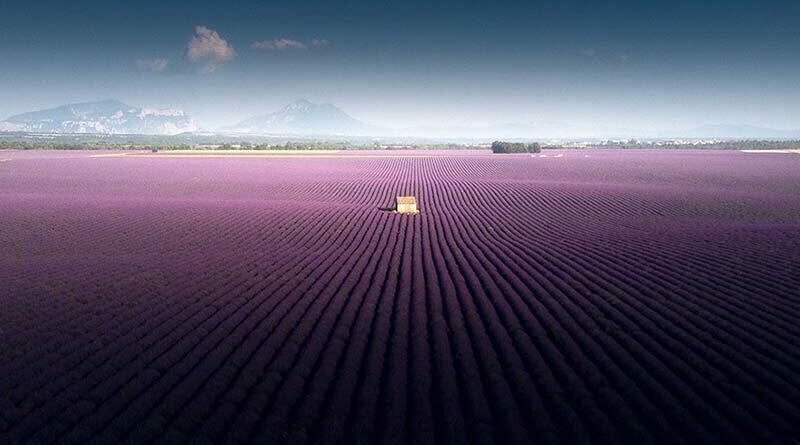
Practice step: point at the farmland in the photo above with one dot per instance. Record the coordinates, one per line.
(580, 297)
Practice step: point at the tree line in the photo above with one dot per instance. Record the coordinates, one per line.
(515, 147)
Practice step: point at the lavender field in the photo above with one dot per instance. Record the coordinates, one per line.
(578, 297)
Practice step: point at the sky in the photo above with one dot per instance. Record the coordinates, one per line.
(642, 65)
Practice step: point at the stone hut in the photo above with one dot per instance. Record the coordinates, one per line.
(406, 204)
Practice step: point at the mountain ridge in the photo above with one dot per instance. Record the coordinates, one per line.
(303, 117)
(109, 116)
(741, 131)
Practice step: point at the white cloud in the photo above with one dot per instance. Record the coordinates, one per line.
(156, 65)
(208, 49)
(283, 44)
(320, 42)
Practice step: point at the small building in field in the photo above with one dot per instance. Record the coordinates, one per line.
(406, 204)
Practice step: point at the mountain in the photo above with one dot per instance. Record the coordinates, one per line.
(8, 126)
(105, 117)
(304, 118)
(725, 131)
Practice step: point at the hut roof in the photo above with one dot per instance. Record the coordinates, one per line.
(406, 200)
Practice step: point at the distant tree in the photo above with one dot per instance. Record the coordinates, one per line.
(515, 147)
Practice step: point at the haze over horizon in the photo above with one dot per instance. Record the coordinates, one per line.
(648, 66)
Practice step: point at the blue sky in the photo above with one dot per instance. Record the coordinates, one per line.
(649, 65)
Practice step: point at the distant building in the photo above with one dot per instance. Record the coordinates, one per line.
(406, 204)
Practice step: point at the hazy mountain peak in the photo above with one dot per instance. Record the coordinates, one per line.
(303, 117)
(298, 105)
(108, 103)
